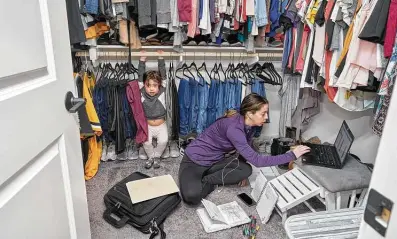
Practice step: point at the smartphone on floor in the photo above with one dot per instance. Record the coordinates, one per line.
(246, 199)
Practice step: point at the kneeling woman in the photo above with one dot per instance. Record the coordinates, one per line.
(204, 165)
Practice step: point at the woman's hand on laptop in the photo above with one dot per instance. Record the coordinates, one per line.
(301, 150)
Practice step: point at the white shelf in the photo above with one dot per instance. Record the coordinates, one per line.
(190, 48)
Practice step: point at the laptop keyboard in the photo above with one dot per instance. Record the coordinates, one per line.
(324, 155)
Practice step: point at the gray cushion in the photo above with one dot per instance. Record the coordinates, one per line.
(353, 175)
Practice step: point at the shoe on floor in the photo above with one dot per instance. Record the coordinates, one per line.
(174, 150)
(149, 163)
(111, 154)
(122, 156)
(104, 152)
(132, 151)
(142, 153)
(166, 153)
(156, 163)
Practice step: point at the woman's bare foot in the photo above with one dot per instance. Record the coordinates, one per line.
(243, 183)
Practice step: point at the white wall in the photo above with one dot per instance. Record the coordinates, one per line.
(326, 126)
(271, 130)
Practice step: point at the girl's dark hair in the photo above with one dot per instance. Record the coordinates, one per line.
(251, 103)
(152, 75)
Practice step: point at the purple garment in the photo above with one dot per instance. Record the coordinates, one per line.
(225, 135)
(212, 11)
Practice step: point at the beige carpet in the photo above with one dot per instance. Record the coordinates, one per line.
(183, 223)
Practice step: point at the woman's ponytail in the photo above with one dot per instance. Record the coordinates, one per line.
(230, 113)
(251, 103)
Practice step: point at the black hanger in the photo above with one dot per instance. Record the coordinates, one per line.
(250, 74)
(276, 78)
(266, 74)
(171, 70)
(205, 70)
(214, 71)
(220, 69)
(194, 66)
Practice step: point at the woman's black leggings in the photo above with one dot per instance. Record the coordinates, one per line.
(196, 181)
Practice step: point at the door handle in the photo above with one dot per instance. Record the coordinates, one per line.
(73, 104)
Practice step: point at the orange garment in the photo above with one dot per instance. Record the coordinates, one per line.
(348, 37)
(94, 156)
(96, 30)
(94, 142)
(291, 54)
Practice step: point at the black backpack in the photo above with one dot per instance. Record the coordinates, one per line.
(147, 216)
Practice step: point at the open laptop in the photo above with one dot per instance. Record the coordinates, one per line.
(331, 156)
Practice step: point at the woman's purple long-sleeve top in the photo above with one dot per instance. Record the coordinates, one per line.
(225, 135)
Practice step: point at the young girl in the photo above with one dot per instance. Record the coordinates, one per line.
(153, 101)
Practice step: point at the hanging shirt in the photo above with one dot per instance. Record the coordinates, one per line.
(260, 15)
(205, 22)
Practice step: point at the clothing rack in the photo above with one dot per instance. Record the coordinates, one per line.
(219, 53)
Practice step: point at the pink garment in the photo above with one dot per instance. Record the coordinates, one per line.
(391, 29)
(362, 54)
(301, 60)
(364, 58)
(185, 10)
(192, 28)
(134, 98)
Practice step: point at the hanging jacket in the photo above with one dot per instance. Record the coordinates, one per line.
(94, 142)
(134, 98)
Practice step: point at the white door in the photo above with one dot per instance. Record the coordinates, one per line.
(42, 191)
(384, 176)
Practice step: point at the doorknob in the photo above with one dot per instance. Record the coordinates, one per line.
(73, 104)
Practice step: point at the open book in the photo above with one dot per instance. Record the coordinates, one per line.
(215, 218)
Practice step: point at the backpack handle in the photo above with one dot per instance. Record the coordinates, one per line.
(107, 215)
(158, 230)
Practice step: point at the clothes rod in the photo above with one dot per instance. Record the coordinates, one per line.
(216, 55)
(191, 48)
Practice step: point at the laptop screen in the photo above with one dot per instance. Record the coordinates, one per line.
(344, 141)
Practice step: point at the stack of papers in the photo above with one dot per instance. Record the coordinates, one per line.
(149, 188)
